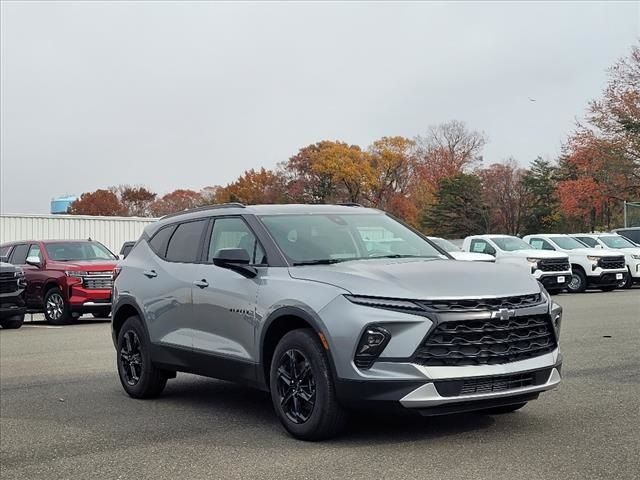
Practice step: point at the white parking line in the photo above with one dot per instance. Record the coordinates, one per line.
(26, 325)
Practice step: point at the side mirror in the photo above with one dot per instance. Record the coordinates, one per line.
(4, 259)
(491, 251)
(35, 261)
(598, 246)
(236, 259)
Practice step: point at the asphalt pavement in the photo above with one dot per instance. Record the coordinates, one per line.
(63, 415)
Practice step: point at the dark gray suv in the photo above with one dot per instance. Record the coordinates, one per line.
(329, 307)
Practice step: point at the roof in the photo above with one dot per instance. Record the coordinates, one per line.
(59, 240)
(491, 235)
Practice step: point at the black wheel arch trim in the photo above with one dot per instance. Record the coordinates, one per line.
(126, 301)
(291, 311)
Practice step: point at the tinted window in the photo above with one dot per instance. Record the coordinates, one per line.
(4, 251)
(19, 255)
(160, 240)
(34, 251)
(184, 245)
(69, 251)
(234, 233)
(631, 234)
(589, 241)
(540, 244)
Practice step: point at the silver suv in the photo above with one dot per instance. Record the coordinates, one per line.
(329, 307)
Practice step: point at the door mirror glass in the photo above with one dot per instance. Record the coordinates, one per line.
(34, 260)
(231, 256)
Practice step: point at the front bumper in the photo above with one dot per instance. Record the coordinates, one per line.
(8, 311)
(555, 281)
(607, 279)
(83, 300)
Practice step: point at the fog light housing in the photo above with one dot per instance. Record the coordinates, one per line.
(373, 341)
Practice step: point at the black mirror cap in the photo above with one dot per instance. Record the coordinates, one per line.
(235, 256)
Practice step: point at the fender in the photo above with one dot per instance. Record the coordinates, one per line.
(125, 300)
(294, 311)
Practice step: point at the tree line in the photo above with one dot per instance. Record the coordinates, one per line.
(438, 181)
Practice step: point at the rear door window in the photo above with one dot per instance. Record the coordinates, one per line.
(481, 246)
(184, 246)
(589, 241)
(540, 244)
(19, 254)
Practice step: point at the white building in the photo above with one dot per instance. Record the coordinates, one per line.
(110, 231)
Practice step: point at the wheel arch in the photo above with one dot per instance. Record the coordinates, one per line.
(123, 311)
(277, 325)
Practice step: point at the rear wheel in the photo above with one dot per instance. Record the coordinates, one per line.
(503, 409)
(139, 377)
(302, 388)
(12, 322)
(56, 309)
(578, 282)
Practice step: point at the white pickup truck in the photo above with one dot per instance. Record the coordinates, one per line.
(590, 267)
(459, 254)
(552, 269)
(616, 243)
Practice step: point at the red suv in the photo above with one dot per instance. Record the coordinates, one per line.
(65, 278)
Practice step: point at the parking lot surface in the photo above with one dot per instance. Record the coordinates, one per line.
(63, 414)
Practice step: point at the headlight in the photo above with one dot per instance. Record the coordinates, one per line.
(593, 258)
(73, 273)
(18, 274)
(532, 260)
(635, 257)
(387, 303)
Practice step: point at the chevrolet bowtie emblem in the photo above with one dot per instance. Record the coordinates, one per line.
(503, 314)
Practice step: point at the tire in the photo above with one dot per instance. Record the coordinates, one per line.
(578, 282)
(312, 411)
(103, 313)
(12, 322)
(139, 377)
(56, 309)
(502, 410)
(627, 283)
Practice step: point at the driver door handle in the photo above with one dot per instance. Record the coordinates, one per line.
(201, 283)
(150, 273)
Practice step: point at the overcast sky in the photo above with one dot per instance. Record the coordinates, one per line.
(185, 95)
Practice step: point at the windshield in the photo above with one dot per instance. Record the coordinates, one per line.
(616, 241)
(327, 238)
(511, 244)
(446, 245)
(567, 243)
(70, 251)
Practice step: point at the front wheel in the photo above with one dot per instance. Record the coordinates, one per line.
(56, 309)
(139, 377)
(12, 322)
(503, 409)
(302, 388)
(578, 282)
(627, 283)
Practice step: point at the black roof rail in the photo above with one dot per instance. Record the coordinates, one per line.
(348, 204)
(206, 207)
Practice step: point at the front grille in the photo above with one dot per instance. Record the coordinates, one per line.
(520, 301)
(98, 281)
(553, 265)
(610, 263)
(7, 275)
(497, 383)
(9, 286)
(486, 342)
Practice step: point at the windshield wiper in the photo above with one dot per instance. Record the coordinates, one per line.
(321, 261)
(397, 255)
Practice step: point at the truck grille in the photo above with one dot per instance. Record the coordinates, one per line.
(7, 275)
(610, 263)
(487, 342)
(497, 383)
(8, 286)
(98, 281)
(554, 265)
(465, 305)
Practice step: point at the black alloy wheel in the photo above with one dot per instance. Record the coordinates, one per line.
(131, 358)
(296, 386)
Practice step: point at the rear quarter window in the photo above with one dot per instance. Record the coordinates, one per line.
(160, 240)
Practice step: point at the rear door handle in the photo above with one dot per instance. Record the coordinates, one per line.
(150, 273)
(201, 283)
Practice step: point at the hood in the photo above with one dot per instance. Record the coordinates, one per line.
(472, 257)
(8, 267)
(85, 266)
(535, 253)
(422, 279)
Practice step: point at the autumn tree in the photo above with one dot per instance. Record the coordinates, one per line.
(101, 202)
(176, 201)
(459, 210)
(448, 149)
(136, 201)
(255, 187)
(505, 192)
(327, 172)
